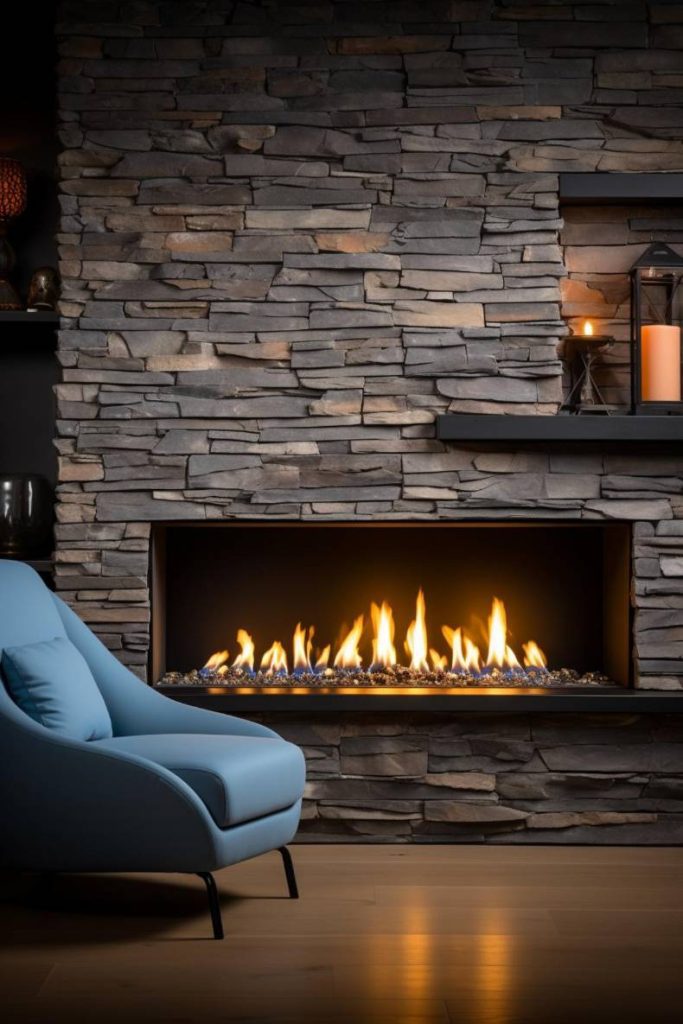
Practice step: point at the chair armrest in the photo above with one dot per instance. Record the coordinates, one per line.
(168, 715)
(136, 708)
(71, 806)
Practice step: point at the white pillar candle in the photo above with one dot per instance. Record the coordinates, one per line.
(660, 363)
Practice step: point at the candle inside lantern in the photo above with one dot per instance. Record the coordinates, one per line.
(660, 363)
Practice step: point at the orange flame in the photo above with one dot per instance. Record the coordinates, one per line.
(348, 655)
(302, 644)
(323, 659)
(383, 650)
(439, 661)
(216, 660)
(465, 656)
(511, 658)
(245, 659)
(497, 635)
(534, 656)
(588, 329)
(274, 660)
(416, 638)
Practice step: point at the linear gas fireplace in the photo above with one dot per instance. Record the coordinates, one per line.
(383, 607)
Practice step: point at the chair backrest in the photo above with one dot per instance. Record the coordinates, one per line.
(30, 612)
(27, 611)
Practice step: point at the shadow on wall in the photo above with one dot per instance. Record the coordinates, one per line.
(28, 94)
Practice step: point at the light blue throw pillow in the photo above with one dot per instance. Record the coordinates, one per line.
(51, 682)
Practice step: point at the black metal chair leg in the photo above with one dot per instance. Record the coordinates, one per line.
(289, 873)
(214, 903)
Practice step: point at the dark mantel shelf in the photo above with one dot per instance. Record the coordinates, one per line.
(568, 700)
(566, 430)
(604, 187)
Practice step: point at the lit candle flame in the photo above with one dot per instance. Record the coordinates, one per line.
(416, 638)
(348, 655)
(587, 329)
(245, 659)
(383, 650)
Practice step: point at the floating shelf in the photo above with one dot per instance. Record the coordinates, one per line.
(564, 430)
(21, 316)
(597, 699)
(620, 188)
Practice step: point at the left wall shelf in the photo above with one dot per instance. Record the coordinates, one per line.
(28, 374)
(22, 316)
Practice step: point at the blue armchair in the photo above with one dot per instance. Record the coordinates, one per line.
(174, 789)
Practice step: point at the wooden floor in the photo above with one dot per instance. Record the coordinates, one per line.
(381, 934)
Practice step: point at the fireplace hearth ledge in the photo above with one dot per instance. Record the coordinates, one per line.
(571, 700)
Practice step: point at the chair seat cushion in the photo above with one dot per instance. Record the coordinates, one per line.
(51, 682)
(239, 778)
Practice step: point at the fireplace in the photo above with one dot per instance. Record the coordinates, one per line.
(386, 606)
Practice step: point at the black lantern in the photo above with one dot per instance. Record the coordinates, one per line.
(656, 317)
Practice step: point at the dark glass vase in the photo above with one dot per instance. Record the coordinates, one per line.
(25, 515)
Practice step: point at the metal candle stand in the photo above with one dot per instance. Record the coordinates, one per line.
(581, 354)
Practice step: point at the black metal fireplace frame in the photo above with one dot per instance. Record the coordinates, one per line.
(279, 698)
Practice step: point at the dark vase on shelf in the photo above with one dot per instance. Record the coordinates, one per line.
(25, 515)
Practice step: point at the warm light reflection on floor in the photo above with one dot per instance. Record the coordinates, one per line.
(493, 969)
(416, 952)
(401, 964)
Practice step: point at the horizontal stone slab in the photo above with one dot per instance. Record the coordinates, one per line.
(438, 314)
(318, 218)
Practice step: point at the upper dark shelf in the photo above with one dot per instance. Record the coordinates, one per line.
(21, 316)
(598, 187)
(543, 430)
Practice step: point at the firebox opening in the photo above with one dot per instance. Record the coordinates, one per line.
(455, 604)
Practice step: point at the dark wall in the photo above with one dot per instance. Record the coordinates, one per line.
(28, 368)
(28, 129)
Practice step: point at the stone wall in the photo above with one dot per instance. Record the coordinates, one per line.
(294, 233)
(491, 778)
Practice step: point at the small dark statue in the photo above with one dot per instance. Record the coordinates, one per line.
(43, 292)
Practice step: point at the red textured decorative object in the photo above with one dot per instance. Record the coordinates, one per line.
(12, 203)
(12, 188)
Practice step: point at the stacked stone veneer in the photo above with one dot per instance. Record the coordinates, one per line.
(491, 778)
(294, 233)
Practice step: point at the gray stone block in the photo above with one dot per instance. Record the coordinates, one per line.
(287, 195)
(166, 165)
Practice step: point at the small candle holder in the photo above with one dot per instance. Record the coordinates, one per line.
(582, 353)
